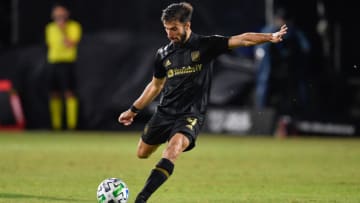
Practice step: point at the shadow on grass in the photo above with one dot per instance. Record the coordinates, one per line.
(24, 196)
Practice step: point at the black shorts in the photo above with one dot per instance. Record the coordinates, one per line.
(62, 76)
(161, 128)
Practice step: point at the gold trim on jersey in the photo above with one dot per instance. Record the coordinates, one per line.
(146, 129)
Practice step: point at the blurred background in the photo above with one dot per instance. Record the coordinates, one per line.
(312, 86)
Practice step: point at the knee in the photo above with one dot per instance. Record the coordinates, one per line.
(144, 150)
(69, 93)
(55, 94)
(171, 154)
(176, 146)
(142, 154)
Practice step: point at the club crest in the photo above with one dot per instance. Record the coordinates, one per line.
(195, 56)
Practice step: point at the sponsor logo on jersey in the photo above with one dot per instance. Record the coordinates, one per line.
(184, 70)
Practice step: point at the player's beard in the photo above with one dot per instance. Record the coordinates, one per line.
(182, 38)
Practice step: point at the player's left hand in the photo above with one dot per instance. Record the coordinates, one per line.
(278, 36)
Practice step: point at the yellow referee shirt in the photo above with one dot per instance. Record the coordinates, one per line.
(57, 51)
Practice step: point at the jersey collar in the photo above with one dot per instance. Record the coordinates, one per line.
(190, 43)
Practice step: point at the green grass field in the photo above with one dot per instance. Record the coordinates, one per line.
(67, 167)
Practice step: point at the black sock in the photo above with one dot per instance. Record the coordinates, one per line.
(158, 176)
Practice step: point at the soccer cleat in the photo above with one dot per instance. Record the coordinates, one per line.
(139, 199)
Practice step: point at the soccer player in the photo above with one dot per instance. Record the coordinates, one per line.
(182, 73)
(62, 39)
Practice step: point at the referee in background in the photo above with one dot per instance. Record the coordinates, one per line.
(62, 38)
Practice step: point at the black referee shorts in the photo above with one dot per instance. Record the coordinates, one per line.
(161, 128)
(62, 76)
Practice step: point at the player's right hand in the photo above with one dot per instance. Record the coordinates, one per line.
(278, 36)
(127, 117)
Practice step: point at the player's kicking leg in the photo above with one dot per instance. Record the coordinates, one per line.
(164, 168)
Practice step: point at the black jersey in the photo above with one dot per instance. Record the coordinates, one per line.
(188, 70)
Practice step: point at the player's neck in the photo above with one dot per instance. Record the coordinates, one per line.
(188, 34)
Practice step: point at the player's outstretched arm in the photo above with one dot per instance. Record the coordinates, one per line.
(251, 38)
(151, 91)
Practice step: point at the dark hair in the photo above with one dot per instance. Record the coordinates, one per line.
(282, 13)
(60, 4)
(178, 11)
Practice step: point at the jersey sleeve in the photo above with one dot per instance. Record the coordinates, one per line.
(217, 45)
(159, 70)
(75, 31)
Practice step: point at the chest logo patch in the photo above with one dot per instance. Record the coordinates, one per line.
(184, 70)
(195, 56)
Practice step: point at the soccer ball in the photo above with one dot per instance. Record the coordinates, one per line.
(112, 190)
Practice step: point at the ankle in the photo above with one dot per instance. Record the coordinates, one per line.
(140, 199)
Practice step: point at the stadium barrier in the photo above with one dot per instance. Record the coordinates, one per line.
(11, 113)
(291, 126)
(240, 121)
